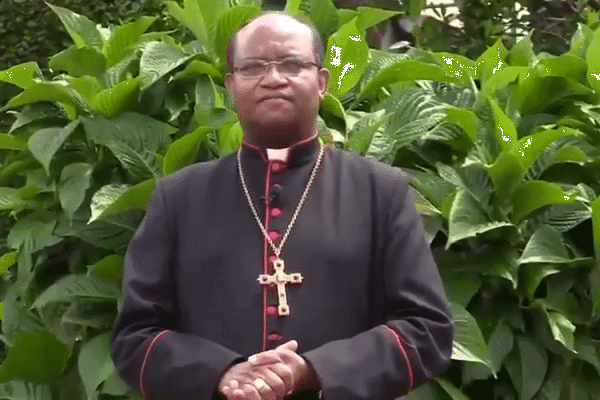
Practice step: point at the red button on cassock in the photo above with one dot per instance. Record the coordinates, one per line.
(275, 212)
(272, 259)
(271, 311)
(274, 235)
(275, 336)
(277, 167)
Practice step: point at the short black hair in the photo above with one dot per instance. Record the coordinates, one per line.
(317, 42)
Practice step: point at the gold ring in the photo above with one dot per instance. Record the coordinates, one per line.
(259, 383)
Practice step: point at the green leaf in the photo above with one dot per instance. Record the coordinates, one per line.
(562, 329)
(19, 390)
(113, 198)
(10, 199)
(46, 142)
(82, 30)
(500, 345)
(109, 269)
(452, 390)
(532, 146)
(79, 62)
(86, 86)
(593, 61)
(542, 93)
(460, 287)
(469, 344)
(112, 101)
(21, 75)
(191, 17)
(467, 219)
(346, 57)
(114, 386)
(183, 151)
(158, 59)
(491, 61)
(195, 68)
(596, 227)
(503, 78)
(228, 22)
(45, 91)
(75, 179)
(532, 195)
(545, 246)
(78, 288)
(331, 107)
(522, 53)
(404, 70)
(456, 65)
(123, 37)
(506, 132)
(95, 363)
(37, 357)
(466, 119)
(134, 139)
(529, 373)
(534, 274)
(37, 228)
(230, 139)
(11, 142)
(369, 16)
(323, 15)
(361, 134)
(6, 261)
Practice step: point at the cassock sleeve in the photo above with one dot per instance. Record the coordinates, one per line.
(148, 354)
(415, 342)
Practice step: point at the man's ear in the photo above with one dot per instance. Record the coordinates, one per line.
(323, 82)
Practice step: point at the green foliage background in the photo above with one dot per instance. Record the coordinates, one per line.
(504, 149)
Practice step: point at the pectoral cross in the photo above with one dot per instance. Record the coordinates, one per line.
(280, 278)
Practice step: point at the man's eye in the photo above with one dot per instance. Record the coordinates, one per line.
(292, 66)
(252, 68)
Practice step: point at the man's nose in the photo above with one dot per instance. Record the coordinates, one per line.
(272, 75)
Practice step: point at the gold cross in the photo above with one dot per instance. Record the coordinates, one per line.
(280, 278)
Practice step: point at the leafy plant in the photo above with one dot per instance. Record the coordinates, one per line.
(503, 150)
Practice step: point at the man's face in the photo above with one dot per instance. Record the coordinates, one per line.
(276, 101)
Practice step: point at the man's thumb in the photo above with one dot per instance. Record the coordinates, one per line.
(291, 345)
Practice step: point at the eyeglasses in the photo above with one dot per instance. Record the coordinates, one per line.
(255, 69)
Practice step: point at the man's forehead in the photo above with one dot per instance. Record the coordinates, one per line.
(273, 28)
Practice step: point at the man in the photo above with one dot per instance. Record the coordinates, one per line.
(324, 289)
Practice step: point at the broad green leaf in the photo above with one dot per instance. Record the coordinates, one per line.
(37, 228)
(534, 274)
(522, 54)
(542, 93)
(86, 86)
(595, 290)
(503, 78)
(430, 390)
(80, 28)
(21, 75)
(158, 59)
(404, 70)
(35, 113)
(500, 345)
(346, 57)
(330, 105)
(11, 142)
(104, 197)
(112, 101)
(19, 390)
(460, 287)
(123, 37)
(532, 195)
(75, 179)
(228, 22)
(361, 134)
(581, 40)
(109, 269)
(454, 392)
(10, 199)
(593, 61)
(36, 356)
(17, 318)
(528, 373)
(323, 14)
(506, 132)
(466, 119)
(137, 196)
(561, 217)
(134, 139)
(369, 16)
(85, 314)
(7, 260)
(45, 91)
(114, 385)
(562, 329)
(95, 363)
(469, 344)
(532, 146)
(456, 65)
(545, 246)
(587, 350)
(79, 62)
(195, 68)
(183, 151)
(191, 17)
(596, 227)
(230, 139)
(46, 142)
(467, 219)
(491, 61)
(210, 12)
(77, 287)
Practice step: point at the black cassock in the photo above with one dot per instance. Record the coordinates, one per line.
(370, 315)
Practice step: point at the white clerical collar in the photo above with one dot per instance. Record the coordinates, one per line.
(278, 154)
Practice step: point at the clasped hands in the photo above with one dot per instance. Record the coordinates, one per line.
(270, 375)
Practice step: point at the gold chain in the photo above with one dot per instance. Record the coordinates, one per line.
(277, 250)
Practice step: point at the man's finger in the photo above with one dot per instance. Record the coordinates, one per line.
(290, 345)
(266, 357)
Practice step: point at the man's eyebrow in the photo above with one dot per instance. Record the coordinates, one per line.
(265, 59)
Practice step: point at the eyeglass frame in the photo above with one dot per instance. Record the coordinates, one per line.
(268, 65)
